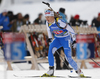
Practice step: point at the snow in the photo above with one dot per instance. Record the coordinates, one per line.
(94, 73)
(86, 9)
(23, 69)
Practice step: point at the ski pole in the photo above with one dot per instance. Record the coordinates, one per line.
(63, 60)
(95, 62)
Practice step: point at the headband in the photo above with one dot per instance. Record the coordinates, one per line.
(49, 13)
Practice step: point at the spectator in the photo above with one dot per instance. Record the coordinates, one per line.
(75, 21)
(39, 19)
(26, 17)
(10, 15)
(18, 23)
(5, 21)
(96, 22)
(62, 13)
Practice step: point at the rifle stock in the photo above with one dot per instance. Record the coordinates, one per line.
(55, 13)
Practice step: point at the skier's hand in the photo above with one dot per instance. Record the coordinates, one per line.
(74, 44)
(49, 40)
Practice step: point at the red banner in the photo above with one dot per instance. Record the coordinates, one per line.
(13, 37)
(89, 38)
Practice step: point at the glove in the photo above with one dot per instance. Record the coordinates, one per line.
(49, 40)
(74, 44)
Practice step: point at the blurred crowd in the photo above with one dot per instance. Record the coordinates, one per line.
(39, 41)
(12, 23)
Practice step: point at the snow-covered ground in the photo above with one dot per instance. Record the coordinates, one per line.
(86, 9)
(23, 69)
(94, 73)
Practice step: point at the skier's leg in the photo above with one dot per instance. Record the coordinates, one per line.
(66, 63)
(72, 62)
(67, 51)
(58, 66)
(52, 48)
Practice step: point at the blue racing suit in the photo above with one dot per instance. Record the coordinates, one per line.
(62, 38)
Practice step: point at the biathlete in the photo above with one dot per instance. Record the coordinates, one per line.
(62, 38)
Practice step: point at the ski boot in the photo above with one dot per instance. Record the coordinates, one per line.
(50, 73)
(80, 73)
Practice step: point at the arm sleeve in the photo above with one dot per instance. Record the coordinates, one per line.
(48, 30)
(64, 25)
(70, 29)
(1, 20)
(73, 36)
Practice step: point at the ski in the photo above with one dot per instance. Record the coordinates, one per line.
(79, 76)
(40, 76)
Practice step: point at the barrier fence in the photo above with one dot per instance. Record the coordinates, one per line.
(29, 29)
